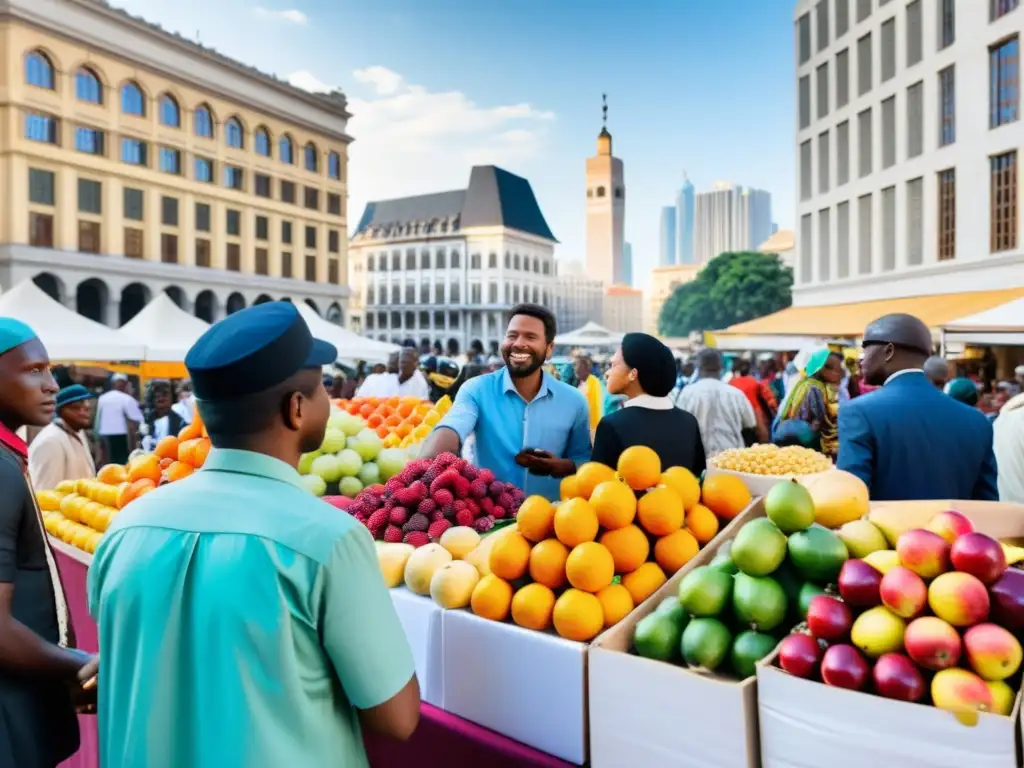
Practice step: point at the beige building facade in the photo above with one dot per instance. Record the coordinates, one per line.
(623, 309)
(664, 280)
(133, 161)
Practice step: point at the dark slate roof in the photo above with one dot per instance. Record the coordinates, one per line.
(494, 197)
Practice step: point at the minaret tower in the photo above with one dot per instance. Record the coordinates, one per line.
(606, 208)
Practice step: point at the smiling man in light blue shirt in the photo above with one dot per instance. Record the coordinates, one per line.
(531, 430)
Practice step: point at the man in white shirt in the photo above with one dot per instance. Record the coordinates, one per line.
(379, 384)
(722, 411)
(117, 421)
(61, 451)
(406, 382)
(186, 404)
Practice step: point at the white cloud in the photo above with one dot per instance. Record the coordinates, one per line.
(411, 140)
(292, 15)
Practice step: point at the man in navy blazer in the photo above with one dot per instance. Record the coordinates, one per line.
(908, 440)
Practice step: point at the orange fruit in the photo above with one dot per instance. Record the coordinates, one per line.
(536, 518)
(492, 598)
(129, 492)
(190, 432)
(674, 551)
(615, 504)
(590, 567)
(702, 523)
(547, 563)
(644, 581)
(578, 615)
(725, 495)
(569, 488)
(145, 467)
(639, 467)
(591, 475)
(382, 431)
(405, 410)
(660, 511)
(200, 452)
(616, 603)
(532, 606)
(167, 448)
(682, 481)
(628, 546)
(112, 474)
(178, 471)
(375, 421)
(366, 410)
(575, 522)
(197, 418)
(510, 556)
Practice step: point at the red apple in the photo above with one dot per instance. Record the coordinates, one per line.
(992, 652)
(859, 584)
(932, 643)
(800, 655)
(897, 677)
(979, 555)
(904, 592)
(1008, 600)
(923, 552)
(959, 598)
(843, 666)
(950, 525)
(829, 619)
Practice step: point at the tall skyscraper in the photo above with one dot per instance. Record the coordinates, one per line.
(606, 208)
(684, 222)
(626, 278)
(730, 218)
(667, 241)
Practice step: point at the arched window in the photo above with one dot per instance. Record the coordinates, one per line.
(334, 166)
(39, 70)
(203, 121)
(233, 134)
(312, 158)
(262, 141)
(287, 150)
(170, 112)
(88, 87)
(132, 100)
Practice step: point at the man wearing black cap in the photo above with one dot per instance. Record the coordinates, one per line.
(243, 621)
(61, 451)
(907, 440)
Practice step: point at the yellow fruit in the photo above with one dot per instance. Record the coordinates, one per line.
(510, 556)
(725, 495)
(578, 615)
(481, 556)
(101, 519)
(536, 518)
(575, 522)
(421, 565)
(674, 551)
(644, 581)
(660, 511)
(615, 504)
(69, 506)
(591, 475)
(590, 567)
(628, 546)
(547, 563)
(532, 606)
(460, 541)
(883, 560)
(682, 481)
(49, 501)
(492, 597)
(80, 537)
(616, 603)
(569, 488)
(66, 487)
(453, 583)
(93, 542)
(61, 528)
(702, 523)
(839, 497)
(392, 558)
(639, 467)
(89, 513)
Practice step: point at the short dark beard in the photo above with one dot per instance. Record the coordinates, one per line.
(522, 373)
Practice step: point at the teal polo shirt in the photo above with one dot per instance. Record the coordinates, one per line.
(242, 623)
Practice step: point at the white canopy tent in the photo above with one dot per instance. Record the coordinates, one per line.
(590, 335)
(351, 346)
(165, 329)
(1002, 325)
(66, 334)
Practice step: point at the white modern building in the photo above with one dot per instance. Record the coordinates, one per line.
(667, 236)
(577, 298)
(729, 218)
(446, 267)
(907, 143)
(685, 209)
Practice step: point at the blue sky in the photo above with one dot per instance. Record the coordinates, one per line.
(436, 86)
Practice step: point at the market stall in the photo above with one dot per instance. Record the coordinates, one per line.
(167, 332)
(351, 346)
(999, 326)
(590, 336)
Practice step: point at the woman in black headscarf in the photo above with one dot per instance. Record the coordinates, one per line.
(644, 371)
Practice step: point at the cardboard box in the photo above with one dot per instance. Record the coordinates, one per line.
(527, 685)
(652, 714)
(805, 724)
(424, 628)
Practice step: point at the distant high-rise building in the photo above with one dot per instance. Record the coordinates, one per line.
(606, 209)
(684, 222)
(627, 264)
(730, 218)
(577, 299)
(667, 247)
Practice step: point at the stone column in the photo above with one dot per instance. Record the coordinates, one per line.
(113, 310)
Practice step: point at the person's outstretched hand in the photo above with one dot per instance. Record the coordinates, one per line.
(84, 693)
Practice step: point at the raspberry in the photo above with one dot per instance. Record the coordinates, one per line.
(510, 487)
(483, 525)
(473, 507)
(419, 466)
(426, 506)
(362, 518)
(461, 486)
(390, 503)
(445, 460)
(437, 514)
(420, 490)
(478, 489)
(459, 465)
(377, 520)
(486, 476)
(460, 504)
(448, 510)
(393, 485)
(499, 512)
(418, 522)
(436, 529)
(398, 516)
(443, 497)
(431, 475)
(406, 497)
(416, 538)
(486, 504)
(470, 472)
(445, 480)
(376, 490)
(495, 489)
(464, 517)
(393, 534)
(370, 502)
(358, 510)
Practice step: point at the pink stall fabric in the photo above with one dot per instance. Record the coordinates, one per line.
(440, 741)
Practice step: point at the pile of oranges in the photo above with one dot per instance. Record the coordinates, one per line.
(612, 541)
(398, 421)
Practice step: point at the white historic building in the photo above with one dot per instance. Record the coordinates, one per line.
(446, 267)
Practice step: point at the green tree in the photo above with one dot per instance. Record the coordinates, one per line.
(732, 288)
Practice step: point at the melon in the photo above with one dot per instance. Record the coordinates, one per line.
(421, 566)
(839, 497)
(392, 558)
(452, 584)
(460, 541)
